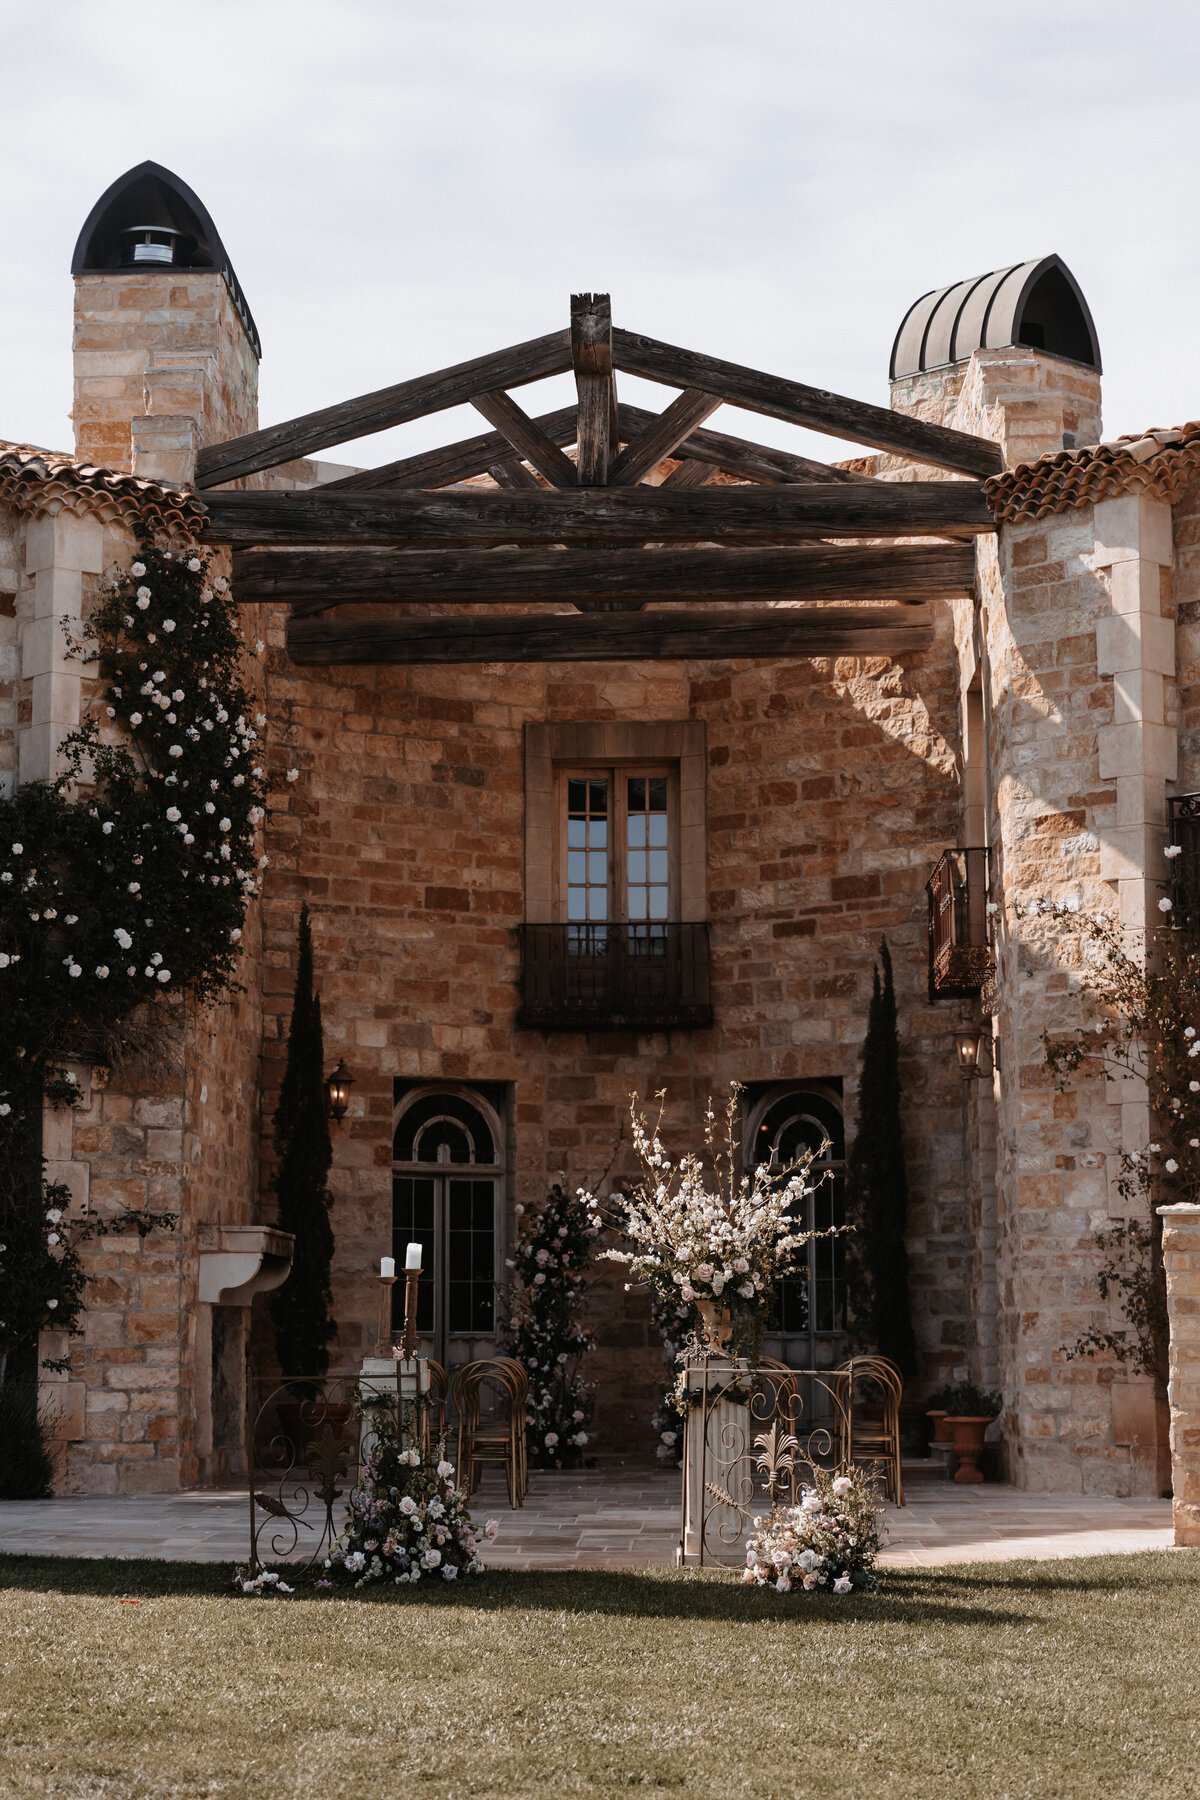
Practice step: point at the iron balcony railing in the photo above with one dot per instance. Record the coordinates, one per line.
(615, 977)
(1183, 818)
(960, 951)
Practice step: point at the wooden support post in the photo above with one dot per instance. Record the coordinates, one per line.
(591, 355)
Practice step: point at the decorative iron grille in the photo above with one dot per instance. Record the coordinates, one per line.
(750, 1434)
(615, 976)
(960, 953)
(1183, 818)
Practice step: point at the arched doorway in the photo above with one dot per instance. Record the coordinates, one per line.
(810, 1302)
(448, 1196)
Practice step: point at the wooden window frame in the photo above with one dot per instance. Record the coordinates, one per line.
(618, 835)
(675, 747)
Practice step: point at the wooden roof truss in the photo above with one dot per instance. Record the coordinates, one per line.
(593, 531)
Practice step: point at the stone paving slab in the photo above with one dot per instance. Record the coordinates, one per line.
(608, 1518)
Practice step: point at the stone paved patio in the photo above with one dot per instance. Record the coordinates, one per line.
(609, 1518)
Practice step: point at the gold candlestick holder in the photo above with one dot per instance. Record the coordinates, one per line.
(409, 1341)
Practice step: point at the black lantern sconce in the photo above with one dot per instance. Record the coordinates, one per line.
(337, 1091)
(969, 1042)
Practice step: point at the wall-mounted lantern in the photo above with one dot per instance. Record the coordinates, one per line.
(337, 1091)
(969, 1041)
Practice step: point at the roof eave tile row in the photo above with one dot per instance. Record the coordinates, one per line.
(1163, 463)
(38, 482)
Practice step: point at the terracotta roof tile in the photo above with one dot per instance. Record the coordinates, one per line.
(48, 481)
(1157, 462)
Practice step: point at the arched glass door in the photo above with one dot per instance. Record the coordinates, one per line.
(810, 1302)
(447, 1195)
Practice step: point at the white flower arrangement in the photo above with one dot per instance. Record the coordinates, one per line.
(408, 1520)
(725, 1243)
(827, 1543)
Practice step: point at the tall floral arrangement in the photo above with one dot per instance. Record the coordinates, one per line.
(546, 1335)
(301, 1310)
(123, 884)
(717, 1241)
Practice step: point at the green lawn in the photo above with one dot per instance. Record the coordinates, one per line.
(996, 1681)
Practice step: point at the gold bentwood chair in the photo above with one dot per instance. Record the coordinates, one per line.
(501, 1441)
(863, 1439)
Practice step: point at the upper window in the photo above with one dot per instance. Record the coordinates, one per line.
(618, 851)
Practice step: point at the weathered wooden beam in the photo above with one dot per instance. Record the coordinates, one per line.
(801, 405)
(500, 410)
(512, 473)
(591, 354)
(513, 367)
(738, 456)
(662, 437)
(453, 462)
(688, 474)
(460, 518)
(504, 577)
(611, 637)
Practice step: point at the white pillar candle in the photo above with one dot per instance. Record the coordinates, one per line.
(387, 1268)
(412, 1257)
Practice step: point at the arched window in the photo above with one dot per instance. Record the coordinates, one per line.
(810, 1302)
(447, 1195)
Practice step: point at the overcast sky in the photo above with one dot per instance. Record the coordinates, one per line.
(405, 183)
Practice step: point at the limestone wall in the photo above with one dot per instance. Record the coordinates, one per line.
(162, 366)
(831, 789)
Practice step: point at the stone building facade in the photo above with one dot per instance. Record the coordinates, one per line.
(808, 800)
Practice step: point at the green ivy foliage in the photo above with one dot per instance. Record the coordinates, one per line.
(123, 884)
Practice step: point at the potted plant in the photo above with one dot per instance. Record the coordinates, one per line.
(969, 1412)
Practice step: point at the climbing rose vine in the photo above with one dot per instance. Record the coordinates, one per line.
(123, 883)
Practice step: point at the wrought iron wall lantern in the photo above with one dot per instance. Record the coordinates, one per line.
(969, 1047)
(337, 1091)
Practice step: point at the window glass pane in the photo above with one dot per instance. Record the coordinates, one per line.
(413, 1223)
(443, 1118)
(587, 853)
(647, 870)
(470, 1289)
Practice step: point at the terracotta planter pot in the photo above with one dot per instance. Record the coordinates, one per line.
(937, 1422)
(967, 1432)
(718, 1326)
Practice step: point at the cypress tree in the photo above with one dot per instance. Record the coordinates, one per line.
(877, 1189)
(301, 1308)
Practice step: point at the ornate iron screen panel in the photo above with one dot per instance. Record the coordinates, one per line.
(960, 951)
(634, 975)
